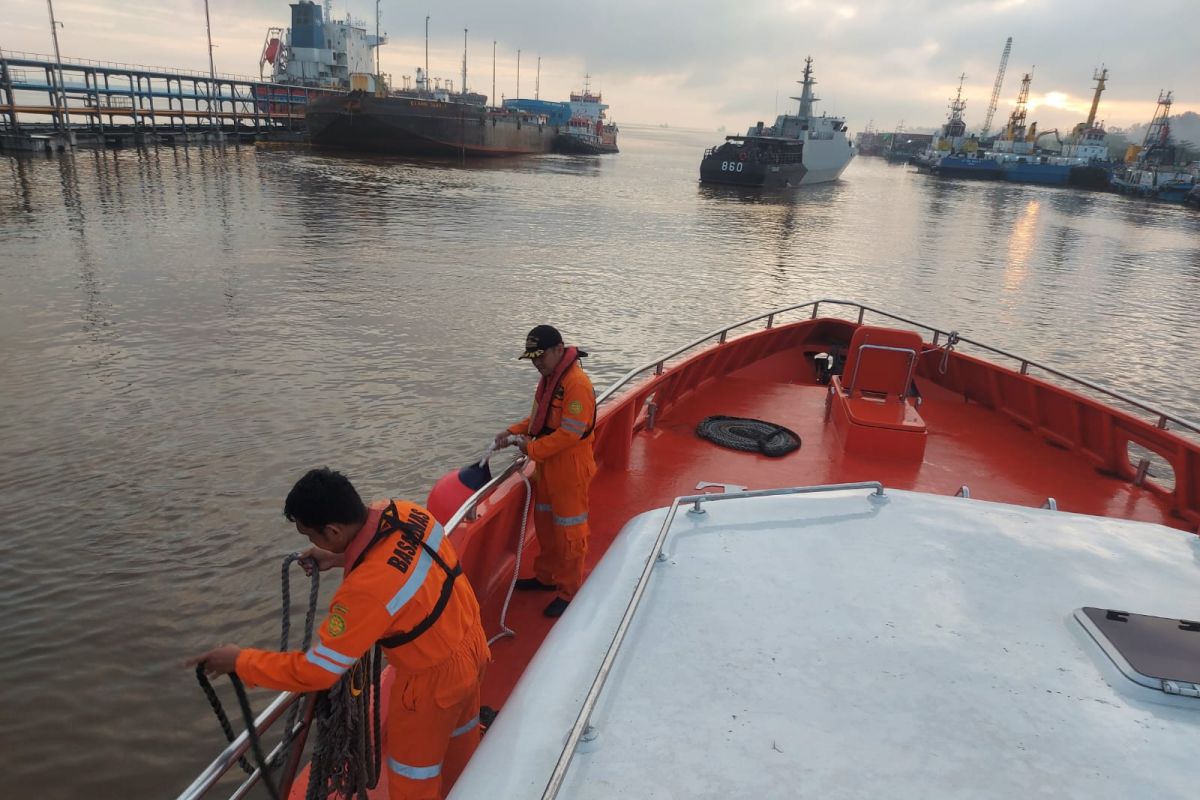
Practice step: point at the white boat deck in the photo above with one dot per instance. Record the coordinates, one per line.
(840, 645)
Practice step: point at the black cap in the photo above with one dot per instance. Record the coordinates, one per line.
(541, 339)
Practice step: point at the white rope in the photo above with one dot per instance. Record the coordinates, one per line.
(951, 340)
(512, 585)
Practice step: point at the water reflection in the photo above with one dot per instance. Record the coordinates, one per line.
(1020, 246)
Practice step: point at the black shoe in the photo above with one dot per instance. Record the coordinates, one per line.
(534, 585)
(557, 607)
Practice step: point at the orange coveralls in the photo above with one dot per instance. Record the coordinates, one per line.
(433, 711)
(563, 473)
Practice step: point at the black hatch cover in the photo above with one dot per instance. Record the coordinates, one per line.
(1157, 647)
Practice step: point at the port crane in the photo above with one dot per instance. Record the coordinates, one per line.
(991, 111)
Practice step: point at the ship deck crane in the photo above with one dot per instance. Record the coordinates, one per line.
(991, 112)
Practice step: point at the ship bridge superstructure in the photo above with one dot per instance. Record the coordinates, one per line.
(804, 125)
(318, 50)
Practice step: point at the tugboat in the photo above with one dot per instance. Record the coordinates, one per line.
(955, 153)
(798, 150)
(588, 132)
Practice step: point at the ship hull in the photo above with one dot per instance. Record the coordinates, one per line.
(732, 172)
(1045, 174)
(978, 168)
(414, 126)
(775, 166)
(575, 145)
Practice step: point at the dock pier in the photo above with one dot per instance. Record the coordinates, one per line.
(48, 106)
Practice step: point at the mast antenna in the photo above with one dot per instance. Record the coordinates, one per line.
(1100, 76)
(61, 94)
(991, 111)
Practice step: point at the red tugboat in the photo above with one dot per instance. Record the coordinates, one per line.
(588, 132)
(973, 579)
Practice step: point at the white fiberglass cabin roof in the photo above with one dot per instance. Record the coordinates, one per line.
(846, 646)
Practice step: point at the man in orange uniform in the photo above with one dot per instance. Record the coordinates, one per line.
(557, 436)
(404, 588)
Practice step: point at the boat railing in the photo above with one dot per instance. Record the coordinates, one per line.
(238, 748)
(580, 728)
(1163, 419)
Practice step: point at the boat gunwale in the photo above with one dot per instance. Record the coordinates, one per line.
(468, 510)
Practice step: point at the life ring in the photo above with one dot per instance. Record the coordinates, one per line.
(742, 156)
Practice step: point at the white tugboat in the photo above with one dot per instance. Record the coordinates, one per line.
(798, 150)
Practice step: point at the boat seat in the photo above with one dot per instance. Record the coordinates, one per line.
(869, 402)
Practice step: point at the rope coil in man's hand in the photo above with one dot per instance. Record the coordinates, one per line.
(347, 754)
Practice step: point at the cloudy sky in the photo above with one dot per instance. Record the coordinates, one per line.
(703, 63)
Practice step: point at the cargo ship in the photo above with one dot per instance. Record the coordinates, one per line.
(798, 150)
(440, 125)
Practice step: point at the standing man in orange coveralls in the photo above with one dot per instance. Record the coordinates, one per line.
(404, 588)
(557, 436)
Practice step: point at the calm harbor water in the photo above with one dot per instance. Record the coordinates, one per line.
(184, 332)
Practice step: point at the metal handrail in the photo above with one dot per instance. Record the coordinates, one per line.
(722, 335)
(18, 55)
(554, 785)
(1164, 417)
(237, 748)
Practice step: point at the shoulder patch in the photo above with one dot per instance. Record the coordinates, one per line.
(337, 620)
(575, 407)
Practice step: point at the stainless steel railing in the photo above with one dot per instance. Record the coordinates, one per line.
(721, 335)
(554, 785)
(239, 747)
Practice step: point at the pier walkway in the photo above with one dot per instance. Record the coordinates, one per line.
(47, 105)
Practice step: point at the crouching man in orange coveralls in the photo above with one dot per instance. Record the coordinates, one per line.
(404, 587)
(557, 436)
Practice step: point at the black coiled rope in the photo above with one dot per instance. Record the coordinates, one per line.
(347, 754)
(750, 435)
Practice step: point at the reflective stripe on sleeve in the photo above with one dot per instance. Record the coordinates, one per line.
(470, 726)
(574, 426)
(543, 507)
(324, 663)
(566, 522)
(334, 656)
(414, 773)
(419, 573)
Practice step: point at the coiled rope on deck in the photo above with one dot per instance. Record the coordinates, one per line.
(749, 435)
(347, 753)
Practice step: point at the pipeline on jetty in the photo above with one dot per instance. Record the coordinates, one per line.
(48, 105)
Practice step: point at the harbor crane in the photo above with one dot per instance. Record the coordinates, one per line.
(991, 111)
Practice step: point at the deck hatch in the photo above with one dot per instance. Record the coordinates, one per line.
(1157, 652)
